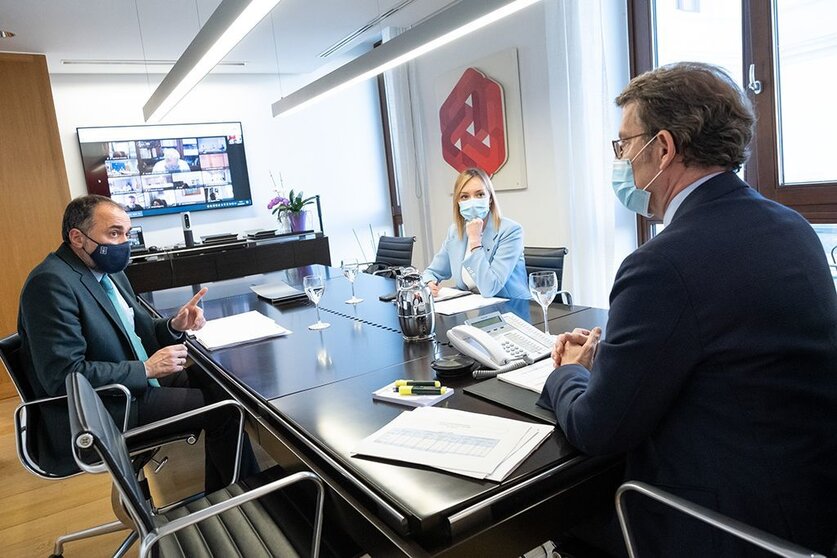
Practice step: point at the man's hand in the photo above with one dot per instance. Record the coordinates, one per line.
(434, 288)
(576, 347)
(191, 315)
(473, 229)
(167, 360)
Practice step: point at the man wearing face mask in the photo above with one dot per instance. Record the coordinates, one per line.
(718, 372)
(483, 251)
(78, 313)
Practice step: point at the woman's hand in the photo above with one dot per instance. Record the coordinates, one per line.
(474, 231)
(434, 288)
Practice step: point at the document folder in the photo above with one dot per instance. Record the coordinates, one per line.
(513, 397)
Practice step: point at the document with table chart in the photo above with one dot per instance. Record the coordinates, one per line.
(470, 444)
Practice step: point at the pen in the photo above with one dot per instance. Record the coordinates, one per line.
(428, 383)
(420, 390)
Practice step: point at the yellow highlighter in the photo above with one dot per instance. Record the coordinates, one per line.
(420, 390)
(425, 383)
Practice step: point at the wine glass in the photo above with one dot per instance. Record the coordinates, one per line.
(314, 287)
(544, 286)
(350, 271)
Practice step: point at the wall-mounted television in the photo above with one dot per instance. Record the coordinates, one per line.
(167, 168)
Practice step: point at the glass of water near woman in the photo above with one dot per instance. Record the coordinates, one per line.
(350, 270)
(544, 286)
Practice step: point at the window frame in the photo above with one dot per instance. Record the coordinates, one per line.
(817, 202)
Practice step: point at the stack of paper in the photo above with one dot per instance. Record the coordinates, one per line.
(238, 329)
(446, 293)
(532, 377)
(465, 303)
(470, 444)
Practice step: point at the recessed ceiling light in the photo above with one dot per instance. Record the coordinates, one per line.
(6, 34)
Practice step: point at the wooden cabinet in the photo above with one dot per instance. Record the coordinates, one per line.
(204, 264)
(33, 181)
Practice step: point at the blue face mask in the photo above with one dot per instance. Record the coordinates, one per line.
(110, 258)
(625, 187)
(475, 208)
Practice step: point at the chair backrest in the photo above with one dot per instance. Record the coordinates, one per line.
(10, 356)
(545, 259)
(395, 251)
(93, 427)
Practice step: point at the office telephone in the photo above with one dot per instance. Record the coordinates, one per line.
(501, 341)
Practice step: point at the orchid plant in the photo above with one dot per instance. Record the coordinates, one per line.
(293, 203)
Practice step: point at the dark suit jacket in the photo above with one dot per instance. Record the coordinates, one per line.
(718, 374)
(67, 324)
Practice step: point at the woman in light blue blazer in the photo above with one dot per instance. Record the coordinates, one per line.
(483, 251)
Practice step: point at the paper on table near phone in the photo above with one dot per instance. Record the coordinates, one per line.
(470, 444)
(532, 377)
(277, 292)
(465, 303)
(446, 293)
(237, 329)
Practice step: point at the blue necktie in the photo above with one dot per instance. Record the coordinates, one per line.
(136, 342)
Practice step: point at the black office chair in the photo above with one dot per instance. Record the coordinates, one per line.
(548, 259)
(230, 522)
(393, 252)
(736, 528)
(29, 415)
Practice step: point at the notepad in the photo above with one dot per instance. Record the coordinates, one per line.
(447, 293)
(532, 377)
(386, 394)
(277, 292)
(465, 303)
(238, 329)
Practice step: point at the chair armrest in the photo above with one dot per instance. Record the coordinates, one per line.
(150, 427)
(734, 527)
(108, 387)
(236, 501)
(565, 296)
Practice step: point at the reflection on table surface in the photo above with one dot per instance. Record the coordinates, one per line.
(316, 386)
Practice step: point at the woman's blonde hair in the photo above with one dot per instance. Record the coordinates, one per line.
(493, 204)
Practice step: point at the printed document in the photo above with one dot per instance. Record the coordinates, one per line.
(237, 329)
(532, 377)
(465, 303)
(470, 444)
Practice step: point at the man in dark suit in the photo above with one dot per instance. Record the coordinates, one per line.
(718, 372)
(78, 313)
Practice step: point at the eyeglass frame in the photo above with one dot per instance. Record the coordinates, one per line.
(619, 149)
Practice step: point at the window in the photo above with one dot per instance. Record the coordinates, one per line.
(783, 52)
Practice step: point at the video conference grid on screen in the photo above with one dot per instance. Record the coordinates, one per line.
(153, 170)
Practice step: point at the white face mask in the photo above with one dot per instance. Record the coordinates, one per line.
(625, 188)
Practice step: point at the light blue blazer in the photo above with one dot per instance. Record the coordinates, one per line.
(498, 267)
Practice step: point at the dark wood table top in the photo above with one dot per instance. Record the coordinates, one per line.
(321, 382)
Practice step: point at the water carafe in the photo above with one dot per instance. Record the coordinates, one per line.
(416, 314)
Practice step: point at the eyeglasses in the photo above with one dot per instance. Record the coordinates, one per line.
(619, 144)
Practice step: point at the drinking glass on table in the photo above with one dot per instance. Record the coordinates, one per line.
(350, 271)
(544, 286)
(314, 287)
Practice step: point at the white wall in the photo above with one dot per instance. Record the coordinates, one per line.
(334, 149)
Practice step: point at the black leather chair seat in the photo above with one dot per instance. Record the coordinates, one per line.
(248, 530)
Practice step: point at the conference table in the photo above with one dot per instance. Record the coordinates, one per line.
(312, 392)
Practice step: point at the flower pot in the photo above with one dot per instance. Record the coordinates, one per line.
(299, 221)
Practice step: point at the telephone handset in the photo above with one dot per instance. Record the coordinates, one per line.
(498, 340)
(478, 345)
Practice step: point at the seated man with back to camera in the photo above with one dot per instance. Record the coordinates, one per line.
(483, 251)
(78, 313)
(718, 372)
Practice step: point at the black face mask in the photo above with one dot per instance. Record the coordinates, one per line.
(110, 258)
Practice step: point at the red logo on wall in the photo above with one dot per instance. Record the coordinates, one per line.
(473, 123)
